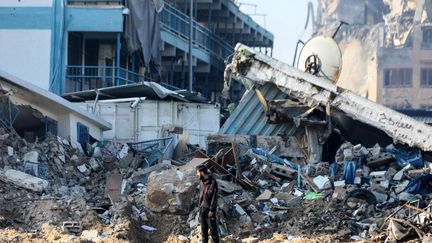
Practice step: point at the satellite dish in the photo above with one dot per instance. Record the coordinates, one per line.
(321, 57)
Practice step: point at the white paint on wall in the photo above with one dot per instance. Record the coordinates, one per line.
(94, 130)
(146, 121)
(64, 129)
(26, 3)
(26, 54)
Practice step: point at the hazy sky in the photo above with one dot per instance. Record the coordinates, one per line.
(285, 19)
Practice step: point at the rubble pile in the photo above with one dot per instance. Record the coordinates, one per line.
(50, 189)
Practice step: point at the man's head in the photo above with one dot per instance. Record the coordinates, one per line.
(202, 171)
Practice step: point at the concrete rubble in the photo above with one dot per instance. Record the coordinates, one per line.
(323, 165)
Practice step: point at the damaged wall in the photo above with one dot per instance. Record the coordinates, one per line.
(256, 69)
(36, 105)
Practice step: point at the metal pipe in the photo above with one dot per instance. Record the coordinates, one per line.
(118, 47)
(190, 44)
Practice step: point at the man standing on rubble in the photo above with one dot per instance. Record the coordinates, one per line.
(208, 204)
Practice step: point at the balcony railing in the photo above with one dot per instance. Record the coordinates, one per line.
(176, 22)
(93, 77)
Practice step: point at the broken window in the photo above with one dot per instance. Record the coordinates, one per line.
(82, 133)
(426, 77)
(398, 77)
(50, 126)
(427, 38)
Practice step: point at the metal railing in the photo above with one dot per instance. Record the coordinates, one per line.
(176, 22)
(92, 77)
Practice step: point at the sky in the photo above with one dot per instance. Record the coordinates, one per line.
(285, 19)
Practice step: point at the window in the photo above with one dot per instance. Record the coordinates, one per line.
(398, 77)
(427, 38)
(426, 77)
(50, 126)
(82, 133)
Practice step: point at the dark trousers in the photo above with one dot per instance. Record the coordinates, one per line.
(207, 222)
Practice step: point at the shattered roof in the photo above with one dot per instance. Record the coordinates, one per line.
(150, 90)
(48, 96)
(255, 69)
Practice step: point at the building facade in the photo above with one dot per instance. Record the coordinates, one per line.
(387, 49)
(68, 46)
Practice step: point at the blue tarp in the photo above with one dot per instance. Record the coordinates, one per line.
(273, 158)
(420, 185)
(405, 156)
(349, 171)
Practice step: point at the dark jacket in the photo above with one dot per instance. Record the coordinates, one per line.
(208, 194)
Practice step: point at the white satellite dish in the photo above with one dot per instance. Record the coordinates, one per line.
(322, 57)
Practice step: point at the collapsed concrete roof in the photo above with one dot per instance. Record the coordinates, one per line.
(255, 69)
(48, 99)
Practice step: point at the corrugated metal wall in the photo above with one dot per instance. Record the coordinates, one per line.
(249, 117)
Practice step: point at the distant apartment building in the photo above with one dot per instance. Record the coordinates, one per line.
(387, 49)
(69, 46)
(405, 74)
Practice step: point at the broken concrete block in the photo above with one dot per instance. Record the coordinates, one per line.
(62, 158)
(401, 186)
(407, 197)
(24, 180)
(83, 169)
(239, 209)
(72, 227)
(398, 176)
(415, 173)
(390, 173)
(90, 234)
(380, 159)
(348, 154)
(360, 150)
(377, 187)
(322, 182)
(171, 191)
(10, 150)
(378, 175)
(357, 180)
(266, 195)
(31, 156)
(274, 200)
(385, 184)
(112, 187)
(74, 158)
(380, 197)
(339, 184)
(282, 170)
(284, 196)
(339, 193)
(94, 164)
(227, 186)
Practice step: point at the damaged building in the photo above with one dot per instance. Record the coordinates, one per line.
(386, 46)
(73, 45)
(304, 156)
(33, 113)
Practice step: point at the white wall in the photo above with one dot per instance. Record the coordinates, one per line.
(64, 130)
(94, 131)
(26, 3)
(26, 53)
(146, 121)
